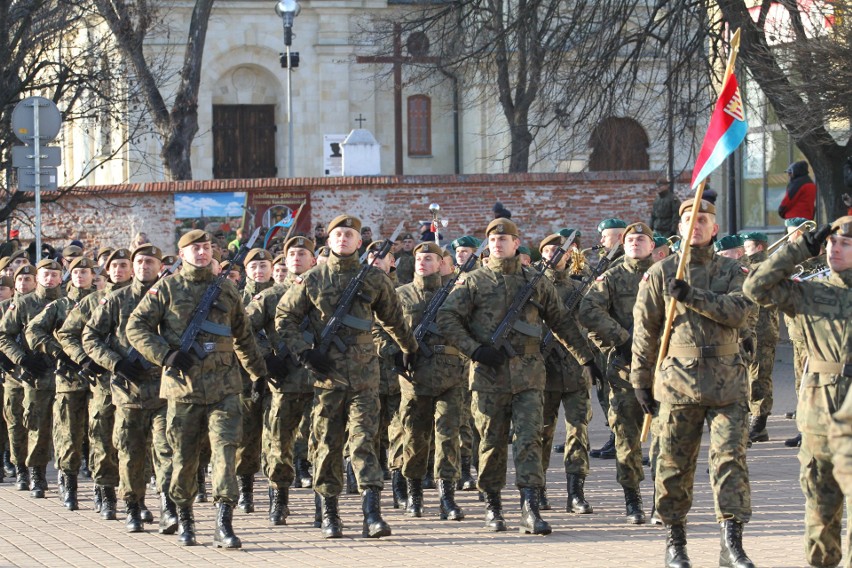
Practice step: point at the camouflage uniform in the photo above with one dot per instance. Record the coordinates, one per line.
(207, 396)
(13, 409)
(702, 379)
(823, 309)
(405, 267)
(664, 213)
(760, 370)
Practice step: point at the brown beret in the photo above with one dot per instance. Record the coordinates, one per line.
(639, 228)
(502, 226)
(169, 259)
(228, 266)
(843, 226)
(7, 281)
(446, 253)
(344, 221)
(147, 250)
(376, 245)
(117, 254)
(323, 251)
(104, 251)
(299, 242)
(280, 259)
(81, 262)
(192, 237)
(705, 207)
(49, 264)
(407, 236)
(25, 269)
(18, 254)
(428, 246)
(4, 262)
(554, 239)
(257, 254)
(72, 251)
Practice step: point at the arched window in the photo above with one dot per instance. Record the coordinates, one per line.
(618, 144)
(419, 125)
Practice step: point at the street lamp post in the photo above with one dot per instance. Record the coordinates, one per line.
(288, 10)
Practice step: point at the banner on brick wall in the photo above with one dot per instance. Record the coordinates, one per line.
(266, 208)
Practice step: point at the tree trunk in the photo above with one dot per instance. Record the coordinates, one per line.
(827, 167)
(519, 161)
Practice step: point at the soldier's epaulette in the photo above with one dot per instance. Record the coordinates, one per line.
(153, 291)
(103, 301)
(645, 277)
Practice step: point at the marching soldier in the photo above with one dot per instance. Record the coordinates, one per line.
(347, 379)
(702, 379)
(202, 394)
(508, 389)
(7, 290)
(822, 414)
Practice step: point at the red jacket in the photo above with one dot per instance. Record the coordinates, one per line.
(801, 204)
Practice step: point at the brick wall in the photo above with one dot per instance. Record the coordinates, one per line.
(540, 204)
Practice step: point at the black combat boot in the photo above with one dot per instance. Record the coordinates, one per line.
(331, 525)
(246, 502)
(732, 554)
(576, 499)
(449, 510)
(168, 515)
(70, 495)
(676, 556)
(531, 521)
(400, 488)
(38, 481)
(633, 506)
(109, 503)
(60, 484)
(655, 517)
(383, 461)
(351, 482)
(794, 442)
(374, 525)
(22, 481)
(186, 527)
(8, 466)
(607, 451)
(98, 499)
(224, 536)
(543, 503)
(466, 481)
(414, 503)
(757, 432)
(303, 474)
(84, 466)
(146, 515)
(317, 510)
(279, 510)
(494, 512)
(429, 479)
(134, 518)
(201, 496)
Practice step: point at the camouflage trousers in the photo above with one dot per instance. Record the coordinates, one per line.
(467, 429)
(389, 404)
(602, 388)
(332, 411)
(38, 419)
(824, 501)
(4, 434)
(625, 419)
(680, 429)
(248, 453)
(137, 429)
(578, 413)
(303, 434)
(185, 426)
(281, 419)
(800, 355)
(69, 429)
(103, 457)
(760, 378)
(13, 412)
(423, 417)
(494, 413)
(395, 439)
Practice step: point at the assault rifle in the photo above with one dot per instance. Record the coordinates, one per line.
(329, 333)
(577, 295)
(427, 322)
(500, 337)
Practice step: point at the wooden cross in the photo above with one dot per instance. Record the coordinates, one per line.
(360, 120)
(397, 59)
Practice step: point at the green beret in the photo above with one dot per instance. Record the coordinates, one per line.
(502, 226)
(428, 246)
(728, 242)
(611, 224)
(49, 264)
(466, 241)
(755, 236)
(119, 254)
(344, 221)
(192, 237)
(298, 242)
(147, 250)
(567, 231)
(794, 222)
(81, 262)
(661, 242)
(524, 250)
(257, 254)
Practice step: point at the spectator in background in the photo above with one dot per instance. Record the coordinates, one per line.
(139, 240)
(11, 245)
(320, 238)
(800, 197)
(500, 211)
(709, 195)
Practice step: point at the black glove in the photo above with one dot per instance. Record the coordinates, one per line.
(315, 361)
(6, 364)
(592, 373)
(488, 355)
(89, 366)
(646, 400)
(815, 239)
(258, 389)
(408, 361)
(748, 346)
(276, 366)
(179, 360)
(678, 289)
(35, 363)
(625, 350)
(127, 370)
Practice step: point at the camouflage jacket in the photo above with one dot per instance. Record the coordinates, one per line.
(105, 341)
(563, 373)
(476, 306)
(767, 320)
(253, 288)
(13, 340)
(405, 267)
(155, 327)
(261, 314)
(823, 308)
(607, 312)
(703, 364)
(315, 295)
(664, 213)
(41, 335)
(12, 376)
(70, 335)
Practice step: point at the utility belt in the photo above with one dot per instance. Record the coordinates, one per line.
(703, 352)
(830, 367)
(221, 346)
(444, 349)
(527, 348)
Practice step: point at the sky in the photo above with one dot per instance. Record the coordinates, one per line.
(190, 205)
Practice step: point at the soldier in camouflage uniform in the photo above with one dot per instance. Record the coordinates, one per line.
(607, 311)
(72, 389)
(508, 388)
(664, 212)
(258, 263)
(822, 413)
(702, 379)
(140, 413)
(202, 393)
(37, 369)
(291, 393)
(7, 290)
(346, 379)
(405, 260)
(103, 457)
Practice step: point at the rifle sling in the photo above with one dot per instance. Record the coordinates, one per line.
(527, 329)
(356, 323)
(208, 326)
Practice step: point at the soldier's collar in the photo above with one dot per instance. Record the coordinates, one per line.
(759, 256)
(76, 294)
(338, 263)
(557, 275)
(194, 273)
(700, 255)
(49, 293)
(505, 265)
(639, 264)
(842, 278)
(431, 282)
(254, 287)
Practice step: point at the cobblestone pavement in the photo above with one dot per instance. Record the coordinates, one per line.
(38, 532)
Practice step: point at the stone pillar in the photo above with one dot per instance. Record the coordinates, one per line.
(362, 154)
